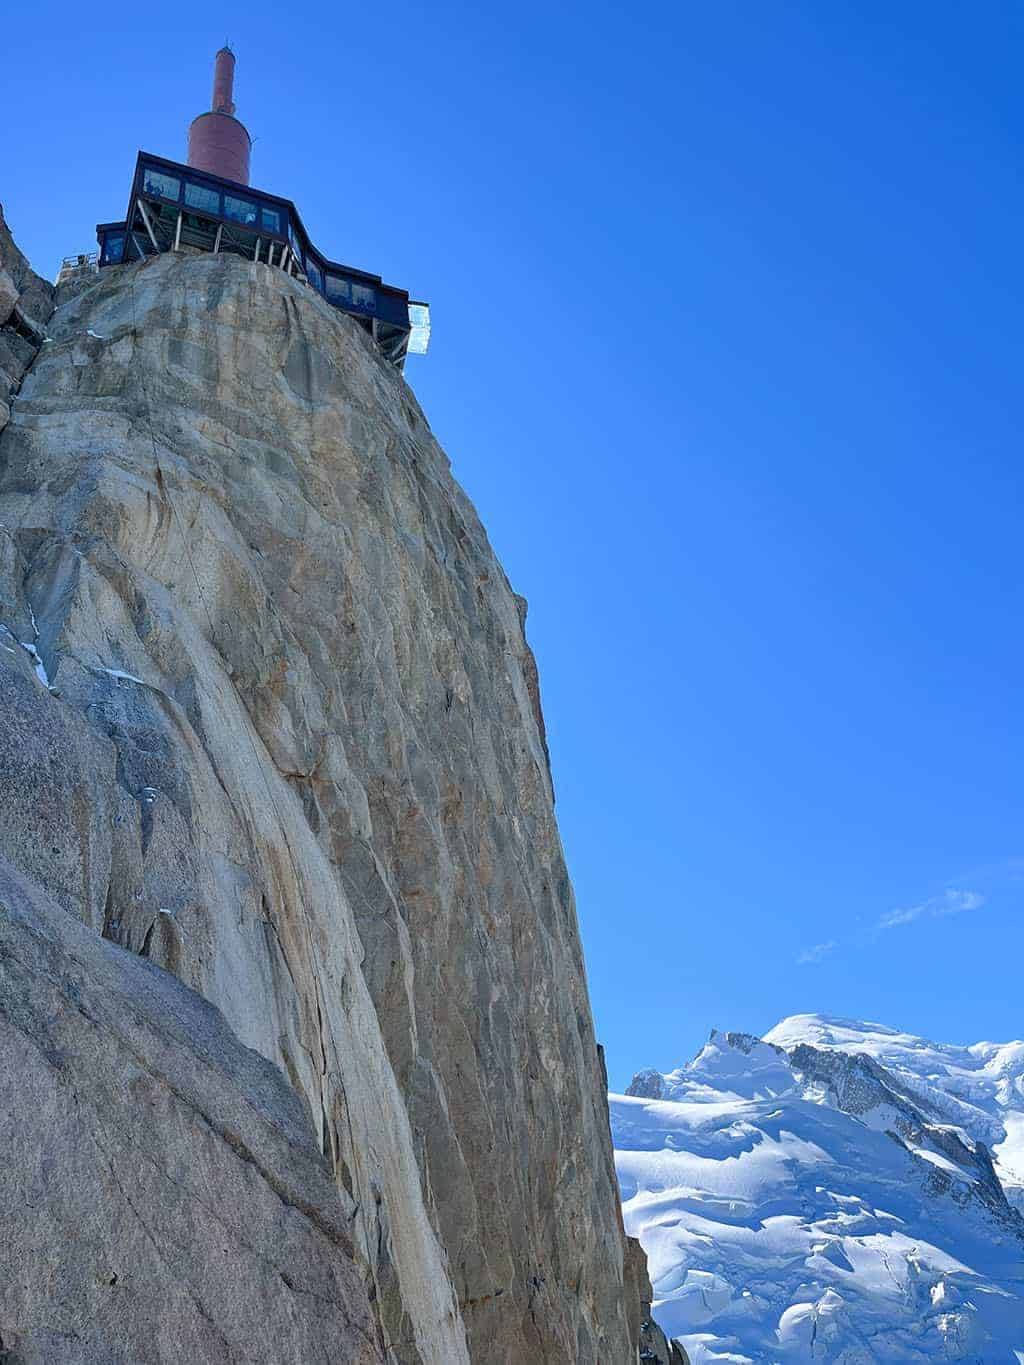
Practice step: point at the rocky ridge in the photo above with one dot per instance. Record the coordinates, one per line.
(274, 730)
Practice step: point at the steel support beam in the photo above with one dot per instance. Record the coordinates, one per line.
(149, 226)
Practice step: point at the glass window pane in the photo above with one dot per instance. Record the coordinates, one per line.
(419, 322)
(271, 219)
(364, 298)
(314, 274)
(164, 186)
(338, 291)
(113, 247)
(240, 210)
(202, 197)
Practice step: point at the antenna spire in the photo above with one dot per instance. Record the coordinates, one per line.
(217, 142)
(223, 81)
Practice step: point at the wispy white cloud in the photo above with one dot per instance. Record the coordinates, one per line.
(816, 952)
(892, 918)
(952, 901)
(955, 901)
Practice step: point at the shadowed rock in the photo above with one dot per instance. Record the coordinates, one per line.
(26, 302)
(163, 1198)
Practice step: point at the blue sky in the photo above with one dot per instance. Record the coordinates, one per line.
(727, 350)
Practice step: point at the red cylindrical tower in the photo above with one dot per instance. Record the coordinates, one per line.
(217, 141)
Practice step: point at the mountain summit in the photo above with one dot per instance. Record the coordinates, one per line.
(837, 1191)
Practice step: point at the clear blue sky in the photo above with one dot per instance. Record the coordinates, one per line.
(727, 349)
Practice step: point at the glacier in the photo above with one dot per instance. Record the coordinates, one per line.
(837, 1192)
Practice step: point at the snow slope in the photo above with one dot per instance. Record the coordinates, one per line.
(979, 1088)
(827, 1194)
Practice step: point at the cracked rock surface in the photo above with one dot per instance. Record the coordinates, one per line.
(25, 303)
(280, 735)
(163, 1198)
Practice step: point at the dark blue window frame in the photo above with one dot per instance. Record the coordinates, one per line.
(112, 251)
(201, 188)
(339, 290)
(156, 192)
(364, 297)
(314, 273)
(242, 205)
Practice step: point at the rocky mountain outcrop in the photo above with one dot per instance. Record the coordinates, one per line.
(647, 1085)
(26, 302)
(276, 730)
(860, 1086)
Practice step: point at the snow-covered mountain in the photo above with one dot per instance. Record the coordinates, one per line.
(837, 1192)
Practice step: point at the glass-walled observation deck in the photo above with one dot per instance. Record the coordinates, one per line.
(173, 206)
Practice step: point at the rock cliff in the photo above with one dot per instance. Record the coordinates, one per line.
(26, 302)
(274, 729)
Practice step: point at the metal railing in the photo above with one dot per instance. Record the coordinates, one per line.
(84, 263)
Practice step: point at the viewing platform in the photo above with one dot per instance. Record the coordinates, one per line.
(173, 205)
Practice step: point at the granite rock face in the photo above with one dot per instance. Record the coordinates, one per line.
(646, 1085)
(163, 1197)
(26, 302)
(280, 735)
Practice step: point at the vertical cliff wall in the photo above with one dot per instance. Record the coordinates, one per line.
(281, 736)
(26, 302)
